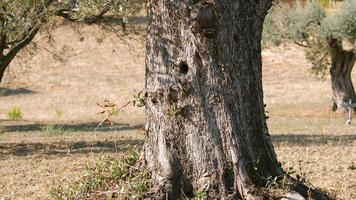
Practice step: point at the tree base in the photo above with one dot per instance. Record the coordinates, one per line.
(285, 188)
(298, 188)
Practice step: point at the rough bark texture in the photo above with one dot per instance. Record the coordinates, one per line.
(342, 63)
(206, 124)
(206, 127)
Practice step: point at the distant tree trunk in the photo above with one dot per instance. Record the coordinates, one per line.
(6, 56)
(4, 63)
(2, 72)
(6, 59)
(206, 127)
(342, 63)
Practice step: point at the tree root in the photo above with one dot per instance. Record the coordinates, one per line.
(305, 191)
(289, 186)
(289, 189)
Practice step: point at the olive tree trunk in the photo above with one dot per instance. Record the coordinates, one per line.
(2, 72)
(7, 55)
(206, 125)
(342, 63)
(4, 64)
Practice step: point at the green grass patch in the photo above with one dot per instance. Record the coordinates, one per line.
(125, 178)
(53, 130)
(14, 113)
(59, 113)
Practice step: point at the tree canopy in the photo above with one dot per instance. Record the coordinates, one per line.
(311, 26)
(20, 21)
(328, 37)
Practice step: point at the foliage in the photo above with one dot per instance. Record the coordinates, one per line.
(59, 113)
(285, 23)
(199, 195)
(14, 113)
(341, 25)
(19, 18)
(90, 11)
(125, 178)
(20, 21)
(309, 26)
(276, 25)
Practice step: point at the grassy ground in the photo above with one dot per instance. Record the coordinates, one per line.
(54, 141)
(307, 135)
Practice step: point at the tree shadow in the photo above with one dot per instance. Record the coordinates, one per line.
(68, 147)
(132, 20)
(78, 127)
(16, 91)
(305, 140)
(138, 20)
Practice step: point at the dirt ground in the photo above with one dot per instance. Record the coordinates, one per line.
(55, 140)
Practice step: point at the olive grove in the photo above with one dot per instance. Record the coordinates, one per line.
(328, 39)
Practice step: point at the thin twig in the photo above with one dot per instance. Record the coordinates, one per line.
(300, 44)
(108, 114)
(101, 123)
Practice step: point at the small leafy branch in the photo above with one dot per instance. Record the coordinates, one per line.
(138, 100)
(110, 109)
(175, 110)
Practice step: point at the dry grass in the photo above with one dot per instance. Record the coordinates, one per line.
(307, 134)
(91, 71)
(35, 157)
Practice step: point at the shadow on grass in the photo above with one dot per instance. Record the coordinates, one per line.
(15, 91)
(68, 147)
(77, 127)
(305, 140)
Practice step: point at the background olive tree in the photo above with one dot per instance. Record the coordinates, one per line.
(328, 39)
(20, 21)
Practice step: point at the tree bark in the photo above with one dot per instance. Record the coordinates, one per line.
(206, 127)
(342, 63)
(6, 58)
(4, 63)
(2, 72)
